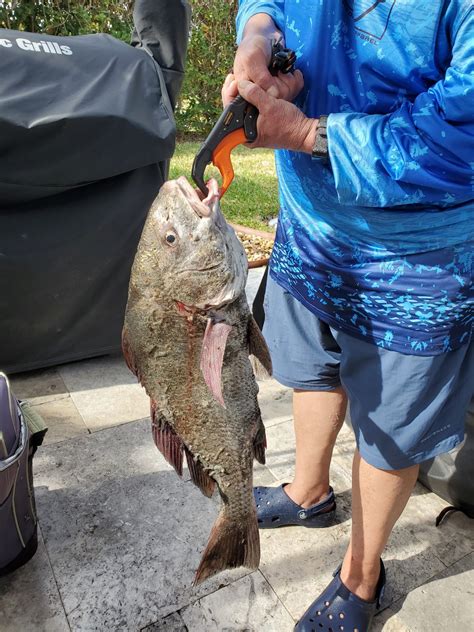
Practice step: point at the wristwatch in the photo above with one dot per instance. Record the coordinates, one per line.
(320, 149)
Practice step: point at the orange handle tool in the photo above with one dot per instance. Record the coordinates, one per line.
(236, 125)
(222, 160)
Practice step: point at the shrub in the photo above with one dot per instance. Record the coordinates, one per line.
(210, 57)
(66, 17)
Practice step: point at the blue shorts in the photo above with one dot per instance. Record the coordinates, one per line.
(404, 409)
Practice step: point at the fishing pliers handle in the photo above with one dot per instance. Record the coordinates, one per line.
(236, 125)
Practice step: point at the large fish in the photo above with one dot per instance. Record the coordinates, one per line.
(187, 336)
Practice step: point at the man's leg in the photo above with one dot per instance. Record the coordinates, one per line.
(318, 417)
(378, 499)
(306, 357)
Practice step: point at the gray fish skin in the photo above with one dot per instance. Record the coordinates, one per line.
(188, 286)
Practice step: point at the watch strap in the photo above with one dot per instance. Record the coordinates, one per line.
(320, 149)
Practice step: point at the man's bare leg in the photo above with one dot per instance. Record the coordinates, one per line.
(378, 496)
(318, 417)
(378, 499)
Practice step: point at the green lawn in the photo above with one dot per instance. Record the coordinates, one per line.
(252, 198)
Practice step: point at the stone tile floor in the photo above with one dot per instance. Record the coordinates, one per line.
(121, 534)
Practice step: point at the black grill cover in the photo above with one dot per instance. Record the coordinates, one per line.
(86, 132)
(451, 475)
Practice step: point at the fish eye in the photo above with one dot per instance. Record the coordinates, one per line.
(171, 238)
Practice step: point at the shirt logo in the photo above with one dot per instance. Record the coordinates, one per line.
(370, 17)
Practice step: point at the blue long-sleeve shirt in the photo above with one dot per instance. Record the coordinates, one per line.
(379, 241)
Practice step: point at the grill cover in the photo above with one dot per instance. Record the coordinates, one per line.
(451, 475)
(86, 133)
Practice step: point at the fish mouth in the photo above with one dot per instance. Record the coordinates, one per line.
(212, 268)
(202, 206)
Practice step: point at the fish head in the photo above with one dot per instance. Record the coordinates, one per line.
(193, 256)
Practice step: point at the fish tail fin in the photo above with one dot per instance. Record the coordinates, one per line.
(231, 544)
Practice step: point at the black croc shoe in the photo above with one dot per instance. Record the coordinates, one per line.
(276, 509)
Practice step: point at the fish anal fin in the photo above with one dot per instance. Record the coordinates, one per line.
(260, 443)
(212, 356)
(258, 348)
(231, 544)
(199, 476)
(166, 440)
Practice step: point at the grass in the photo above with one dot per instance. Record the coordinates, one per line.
(252, 198)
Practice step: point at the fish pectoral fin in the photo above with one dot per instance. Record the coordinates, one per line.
(166, 440)
(199, 476)
(260, 443)
(258, 348)
(232, 543)
(212, 356)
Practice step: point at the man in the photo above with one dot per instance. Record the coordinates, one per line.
(370, 291)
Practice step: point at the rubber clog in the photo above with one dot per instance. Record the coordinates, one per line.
(337, 609)
(276, 509)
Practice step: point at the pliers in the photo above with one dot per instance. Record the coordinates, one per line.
(236, 125)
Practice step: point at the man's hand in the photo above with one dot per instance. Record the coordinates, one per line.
(285, 87)
(252, 61)
(281, 125)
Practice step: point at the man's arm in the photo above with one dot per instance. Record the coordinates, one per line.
(421, 153)
(264, 16)
(258, 25)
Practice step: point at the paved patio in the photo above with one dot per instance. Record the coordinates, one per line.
(121, 535)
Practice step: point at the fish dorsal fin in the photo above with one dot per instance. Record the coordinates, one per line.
(212, 356)
(258, 348)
